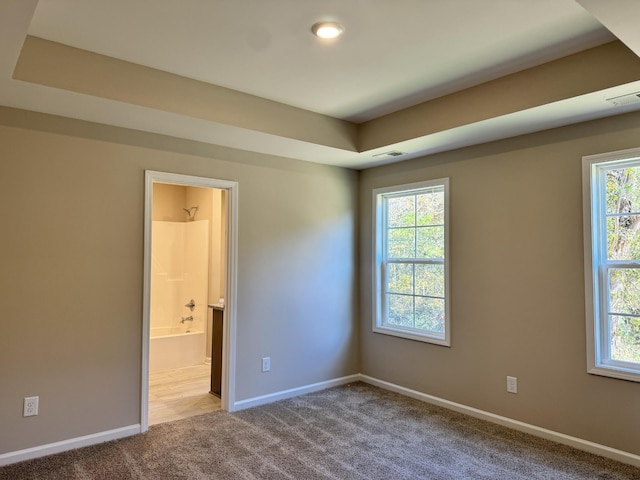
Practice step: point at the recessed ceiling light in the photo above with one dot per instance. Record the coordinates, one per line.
(327, 29)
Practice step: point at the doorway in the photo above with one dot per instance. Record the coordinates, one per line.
(189, 273)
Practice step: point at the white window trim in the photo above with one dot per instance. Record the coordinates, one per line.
(597, 345)
(378, 246)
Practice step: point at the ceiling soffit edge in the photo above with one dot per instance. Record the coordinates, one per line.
(60, 66)
(56, 65)
(586, 72)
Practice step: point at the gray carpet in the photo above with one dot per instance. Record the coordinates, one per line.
(351, 432)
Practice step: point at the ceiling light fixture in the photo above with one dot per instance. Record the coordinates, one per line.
(327, 30)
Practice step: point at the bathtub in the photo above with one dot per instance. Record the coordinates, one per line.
(174, 347)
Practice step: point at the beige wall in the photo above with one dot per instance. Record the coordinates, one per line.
(517, 286)
(168, 202)
(72, 203)
(71, 198)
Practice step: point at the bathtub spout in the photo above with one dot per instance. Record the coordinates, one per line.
(187, 319)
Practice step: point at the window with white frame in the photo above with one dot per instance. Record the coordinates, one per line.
(612, 259)
(411, 289)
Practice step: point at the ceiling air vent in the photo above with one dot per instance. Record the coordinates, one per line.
(395, 153)
(625, 99)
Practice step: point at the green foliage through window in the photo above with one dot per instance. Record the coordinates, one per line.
(413, 237)
(622, 198)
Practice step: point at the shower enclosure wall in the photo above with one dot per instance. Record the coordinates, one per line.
(179, 274)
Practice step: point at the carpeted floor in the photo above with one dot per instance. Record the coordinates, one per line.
(351, 432)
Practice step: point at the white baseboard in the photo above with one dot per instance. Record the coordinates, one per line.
(580, 444)
(70, 444)
(294, 392)
(85, 441)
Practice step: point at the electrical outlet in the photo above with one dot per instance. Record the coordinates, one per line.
(30, 406)
(266, 364)
(512, 385)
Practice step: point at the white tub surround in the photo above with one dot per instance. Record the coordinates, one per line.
(176, 351)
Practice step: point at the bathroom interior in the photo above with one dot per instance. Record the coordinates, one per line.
(188, 274)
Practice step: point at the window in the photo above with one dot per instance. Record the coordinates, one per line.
(411, 290)
(612, 259)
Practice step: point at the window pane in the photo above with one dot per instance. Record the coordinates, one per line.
(623, 190)
(624, 290)
(410, 260)
(623, 237)
(400, 278)
(430, 242)
(430, 280)
(430, 208)
(401, 243)
(625, 338)
(400, 308)
(401, 211)
(430, 314)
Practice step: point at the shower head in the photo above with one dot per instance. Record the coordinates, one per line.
(192, 216)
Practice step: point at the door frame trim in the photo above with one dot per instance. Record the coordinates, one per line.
(229, 330)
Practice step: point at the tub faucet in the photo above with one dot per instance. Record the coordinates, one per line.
(187, 319)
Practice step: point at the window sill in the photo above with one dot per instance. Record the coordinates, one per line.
(412, 335)
(615, 372)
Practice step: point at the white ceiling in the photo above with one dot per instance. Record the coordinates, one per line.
(393, 55)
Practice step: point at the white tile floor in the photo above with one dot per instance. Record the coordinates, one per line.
(181, 393)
